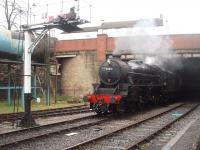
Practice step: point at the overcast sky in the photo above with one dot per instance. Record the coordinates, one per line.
(180, 16)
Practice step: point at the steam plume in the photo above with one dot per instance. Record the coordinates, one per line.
(156, 48)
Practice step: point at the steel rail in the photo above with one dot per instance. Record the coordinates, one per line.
(47, 125)
(46, 113)
(53, 132)
(136, 145)
(79, 145)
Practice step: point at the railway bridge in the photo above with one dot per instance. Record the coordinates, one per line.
(80, 59)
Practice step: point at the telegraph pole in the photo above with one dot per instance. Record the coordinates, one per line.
(62, 7)
(78, 8)
(90, 13)
(28, 13)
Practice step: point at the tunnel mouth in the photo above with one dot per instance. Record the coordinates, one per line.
(189, 71)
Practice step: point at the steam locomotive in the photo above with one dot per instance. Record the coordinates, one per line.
(129, 85)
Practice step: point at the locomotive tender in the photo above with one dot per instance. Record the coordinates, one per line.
(128, 85)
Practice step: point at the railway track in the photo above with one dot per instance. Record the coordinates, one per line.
(46, 113)
(132, 135)
(95, 132)
(10, 139)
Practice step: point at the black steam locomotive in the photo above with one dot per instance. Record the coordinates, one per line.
(128, 85)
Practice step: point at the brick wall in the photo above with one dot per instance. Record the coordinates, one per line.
(75, 45)
(101, 45)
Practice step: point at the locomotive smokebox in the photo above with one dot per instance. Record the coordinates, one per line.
(112, 71)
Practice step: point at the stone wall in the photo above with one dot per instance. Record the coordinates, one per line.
(79, 73)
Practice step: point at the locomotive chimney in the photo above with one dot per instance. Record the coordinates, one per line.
(116, 56)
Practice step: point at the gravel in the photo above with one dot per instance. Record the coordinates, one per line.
(45, 130)
(8, 127)
(135, 134)
(62, 140)
(163, 138)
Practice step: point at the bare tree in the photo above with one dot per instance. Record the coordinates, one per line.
(11, 11)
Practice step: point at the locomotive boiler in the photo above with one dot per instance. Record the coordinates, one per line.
(129, 85)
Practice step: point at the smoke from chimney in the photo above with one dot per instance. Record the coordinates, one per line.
(156, 49)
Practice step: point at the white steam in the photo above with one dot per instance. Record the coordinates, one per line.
(139, 41)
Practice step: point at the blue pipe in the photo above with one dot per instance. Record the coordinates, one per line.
(11, 44)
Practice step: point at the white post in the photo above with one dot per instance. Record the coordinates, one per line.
(27, 63)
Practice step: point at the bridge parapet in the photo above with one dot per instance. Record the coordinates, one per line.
(186, 45)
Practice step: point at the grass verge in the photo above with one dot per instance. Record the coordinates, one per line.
(61, 102)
